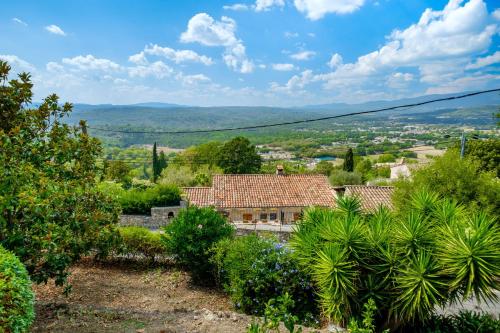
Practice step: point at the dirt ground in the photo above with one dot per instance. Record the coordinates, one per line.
(127, 297)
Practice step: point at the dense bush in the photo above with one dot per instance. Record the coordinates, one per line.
(190, 236)
(51, 212)
(255, 270)
(140, 201)
(464, 322)
(435, 253)
(139, 241)
(462, 180)
(16, 296)
(341, 177)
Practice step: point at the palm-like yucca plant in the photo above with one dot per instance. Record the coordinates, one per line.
(349, 205)
(337, 278)
(412, 234)
(420, 288)
(305, 239)
(424, 202)
(470, 254)
(379, 226)
(447, 211)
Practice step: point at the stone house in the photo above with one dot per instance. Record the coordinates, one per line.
(263, 198)
(278, 198)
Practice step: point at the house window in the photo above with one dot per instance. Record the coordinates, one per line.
(247, 217)
(297, 216)
(263, 217)
(273, 216)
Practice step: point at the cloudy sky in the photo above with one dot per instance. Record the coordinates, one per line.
(253, 52)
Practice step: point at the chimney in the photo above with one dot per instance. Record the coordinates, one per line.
(280, 170)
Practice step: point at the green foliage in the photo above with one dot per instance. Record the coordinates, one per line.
(139, 241)
(454, 178)
(367, 324)
(348, 161)
(140, 201)
(433, 253)
(185, 176)
(464, 322)
(238, 156)
(16, 297)
(324, 168)
(51, 212)
(156, 164)
(277, 310)
(255, 270)
(486, 153)
(386, 158)
(190, 236)
(117, 171)
(341, 177)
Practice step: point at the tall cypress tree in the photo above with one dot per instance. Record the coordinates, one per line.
(156, 169)
(162, 162)
(349, 161)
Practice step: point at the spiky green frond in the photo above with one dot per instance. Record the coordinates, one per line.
(424, 202)
(471, 255)
(337, 277)
(412, 234)
(420, 288)
(349, 205)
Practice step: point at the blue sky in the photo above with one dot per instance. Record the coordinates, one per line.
(259, 52)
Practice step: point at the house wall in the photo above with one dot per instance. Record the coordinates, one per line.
(289, 214)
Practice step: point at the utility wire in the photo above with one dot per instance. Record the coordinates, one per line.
(411, 105)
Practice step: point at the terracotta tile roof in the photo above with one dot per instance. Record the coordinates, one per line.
(199, 196)
(263, 190)
(371, 196)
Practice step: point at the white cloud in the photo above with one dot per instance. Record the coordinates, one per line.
(89, 62)
(496, 14)
(295, 83)
(15, 19)
(486, 61)
(191, 80)
(236, 7)
(54, 67)
(289, 34)
(17, 63)
(311, 34)
(177, 56)
(203, 29)
(399, 80)
(303, 55)
(54, 29)
(284, 67)
(138, 59)
(316, 9)
(264, 5)
(335, 61)
(156, 69)
(439, 45)
(466, 83)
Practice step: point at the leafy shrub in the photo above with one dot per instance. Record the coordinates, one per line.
(190, 236)
(464, 322)
(367, 324)
(16, 296)
(140, 201)
(139, 241)
(276, 311)
(409, 263)
(341, 177)
(254, 270)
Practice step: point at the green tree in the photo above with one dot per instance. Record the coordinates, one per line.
(341, 177)
(454, 178)
(239, 156)
(156, 164)
(51, 212)
(162, 162)
(324, 168)
(117, 171)
(348, 161)
(486, 153)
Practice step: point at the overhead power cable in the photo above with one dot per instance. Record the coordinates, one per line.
(411, 105)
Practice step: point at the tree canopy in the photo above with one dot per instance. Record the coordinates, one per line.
(349, 161)
(51, 212)
(239, 156)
